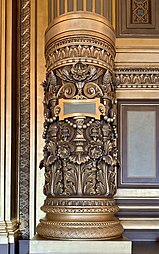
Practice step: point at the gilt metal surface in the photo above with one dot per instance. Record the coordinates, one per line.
(80, 152)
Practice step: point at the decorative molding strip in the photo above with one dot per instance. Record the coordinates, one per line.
(74, 230)
(141, 78)
(138, 210)
(77, 202)
(80, 210)
(24, 167)
(88, 49)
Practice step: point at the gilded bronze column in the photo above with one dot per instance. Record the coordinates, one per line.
(80, 153)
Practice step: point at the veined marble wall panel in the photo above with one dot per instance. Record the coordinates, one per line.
(141, 143)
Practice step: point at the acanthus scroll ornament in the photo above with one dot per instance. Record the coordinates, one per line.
(80, 154)
(77, 81)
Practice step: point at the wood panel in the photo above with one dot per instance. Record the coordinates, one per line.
(137, 18)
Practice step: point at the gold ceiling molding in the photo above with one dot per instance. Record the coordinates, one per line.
(137, 77)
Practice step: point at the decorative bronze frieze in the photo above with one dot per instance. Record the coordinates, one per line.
(80, 152)
(140, 78)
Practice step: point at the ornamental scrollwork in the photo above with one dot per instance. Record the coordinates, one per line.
(80, 153)
(78, 81)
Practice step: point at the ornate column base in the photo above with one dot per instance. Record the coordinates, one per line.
(78, 218)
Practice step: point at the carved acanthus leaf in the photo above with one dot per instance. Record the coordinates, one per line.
(80, 152)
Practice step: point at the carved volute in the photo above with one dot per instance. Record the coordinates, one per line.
(80, 153)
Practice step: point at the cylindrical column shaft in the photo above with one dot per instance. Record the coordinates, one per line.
(80, 153)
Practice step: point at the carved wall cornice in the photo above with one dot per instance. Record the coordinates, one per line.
(137, 77)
